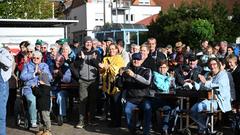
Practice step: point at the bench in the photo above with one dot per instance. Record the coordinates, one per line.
(69, 86)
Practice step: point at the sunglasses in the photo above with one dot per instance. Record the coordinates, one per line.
(29, 51)
(44, 47)
(36, 58)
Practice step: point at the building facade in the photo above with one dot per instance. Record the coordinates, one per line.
(94, 13)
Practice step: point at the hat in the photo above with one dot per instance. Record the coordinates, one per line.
(109, 39)
(44, 77)
(39, 42)
(192, 57)
(136, 56)
(179, 44)
(62, 41)
(169, 46)
(87, 38)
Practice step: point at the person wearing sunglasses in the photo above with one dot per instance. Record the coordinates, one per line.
(30, 77)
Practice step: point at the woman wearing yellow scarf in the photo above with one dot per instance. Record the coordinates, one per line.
(109, 69)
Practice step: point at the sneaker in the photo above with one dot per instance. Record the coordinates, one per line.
(80, 125)
(39, 133)
(47, 132)
(34, 125)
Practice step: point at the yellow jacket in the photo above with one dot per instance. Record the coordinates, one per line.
(109, 75)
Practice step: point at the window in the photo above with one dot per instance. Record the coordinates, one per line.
(144, 2)
(127, 17)
(132, 17)
(98, 16)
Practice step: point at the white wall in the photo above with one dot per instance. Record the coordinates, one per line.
(140, 12)
(91, 15)
(17, 35)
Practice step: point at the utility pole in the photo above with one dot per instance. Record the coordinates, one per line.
(53, 8)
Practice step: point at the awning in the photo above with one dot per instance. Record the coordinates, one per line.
(35, 23)
(118, 27)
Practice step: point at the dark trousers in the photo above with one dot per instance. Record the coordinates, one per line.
(87, 96)
(115, 109)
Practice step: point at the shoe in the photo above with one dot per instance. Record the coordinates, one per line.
(47, 132)
(39, 133)
(93, 123)
(60, 120)
(34, 125)
(65, 119)
(80, 125)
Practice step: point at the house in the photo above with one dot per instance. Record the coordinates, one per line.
(94, 13)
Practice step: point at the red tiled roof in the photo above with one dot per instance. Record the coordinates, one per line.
(148, 20)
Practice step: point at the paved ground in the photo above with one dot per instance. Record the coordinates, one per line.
(68, 129)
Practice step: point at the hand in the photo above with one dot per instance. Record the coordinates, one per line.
(101, 65)
(130, 73)
(37, 70)
(202, 78)
(121, 70)
(188, 80)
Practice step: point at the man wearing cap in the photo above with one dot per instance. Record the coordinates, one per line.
(6, 63)
(136, 80)
(87, 66)
(38, 44)
(179, 53)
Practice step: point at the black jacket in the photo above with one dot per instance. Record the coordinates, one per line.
(137, 87)
(42, 93)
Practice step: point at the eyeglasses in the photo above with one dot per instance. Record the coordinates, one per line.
(37, 58)
(162, 67)
(44, 47)
(212, 64)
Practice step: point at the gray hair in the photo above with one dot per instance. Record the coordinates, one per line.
(31, 47)
(37, 54)
(54, 46)
(67, 47)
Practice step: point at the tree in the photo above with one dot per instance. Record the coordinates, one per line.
(201, 29)
(26, 9)
(191, 23)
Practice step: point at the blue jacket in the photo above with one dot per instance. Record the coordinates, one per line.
(221, 80)
(28, 77)
(162, 82)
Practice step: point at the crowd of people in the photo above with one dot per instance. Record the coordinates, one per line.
(124, 79)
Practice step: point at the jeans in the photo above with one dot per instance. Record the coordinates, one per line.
(61, 101)
(166, 107)
(32, 110)
(199, 117)
(4, 92)
(147, 112)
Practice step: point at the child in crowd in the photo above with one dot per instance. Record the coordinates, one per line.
(42, 93)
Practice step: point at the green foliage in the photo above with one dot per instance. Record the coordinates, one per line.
(201, 29)
(192, 23)
(26, 9)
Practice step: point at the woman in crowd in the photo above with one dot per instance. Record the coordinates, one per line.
(219, 78)
(29, 76)
(110, 68)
